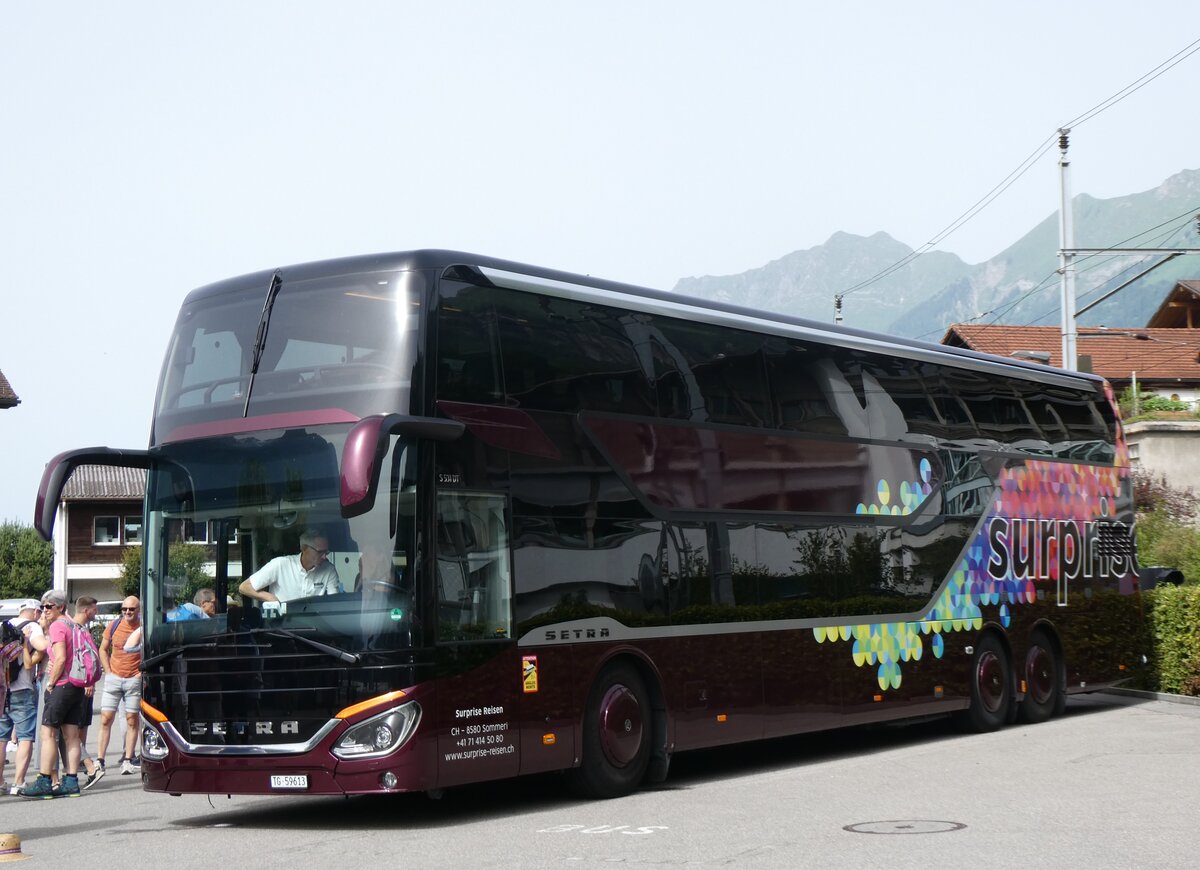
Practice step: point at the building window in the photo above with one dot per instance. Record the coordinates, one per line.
(195, 532)
(107, 532)
(133, 530)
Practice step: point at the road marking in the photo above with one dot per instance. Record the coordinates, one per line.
(639, 831)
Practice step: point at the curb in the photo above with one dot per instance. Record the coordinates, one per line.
(1154, 696)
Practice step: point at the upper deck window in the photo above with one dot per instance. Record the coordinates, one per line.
(345, 342)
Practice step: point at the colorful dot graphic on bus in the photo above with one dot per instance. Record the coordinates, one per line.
(1037, 489)
(909, 495)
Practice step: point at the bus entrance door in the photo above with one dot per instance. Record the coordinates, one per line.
(479, 669)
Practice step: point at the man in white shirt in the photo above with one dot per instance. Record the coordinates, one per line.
(285, 578)
(22, 693)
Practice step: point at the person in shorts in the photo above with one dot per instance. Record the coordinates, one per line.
(63, 706)
(19, 713)
(85, 612)
(122, 684)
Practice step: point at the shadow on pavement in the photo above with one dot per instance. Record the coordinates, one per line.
(533, 794)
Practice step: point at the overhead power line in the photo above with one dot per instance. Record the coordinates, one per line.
(1175, 59)
(1023, 167)
(994, 315)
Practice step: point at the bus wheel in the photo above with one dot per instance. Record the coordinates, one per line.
(991, 686)
(616, 735)
(1043, 680)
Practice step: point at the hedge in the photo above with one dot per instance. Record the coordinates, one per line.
(1173, 627)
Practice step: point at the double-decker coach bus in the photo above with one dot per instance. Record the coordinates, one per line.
(580, 526)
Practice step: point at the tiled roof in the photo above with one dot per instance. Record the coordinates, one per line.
(97, 482)
(1181, 308)
(1155, 354)
(8, 398)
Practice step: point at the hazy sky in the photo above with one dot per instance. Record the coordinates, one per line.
(149, 148)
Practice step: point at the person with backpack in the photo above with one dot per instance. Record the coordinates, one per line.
(74, 665)
(122, 683)
(85, 612)
(19, 714)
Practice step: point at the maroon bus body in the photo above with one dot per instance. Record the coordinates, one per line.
(627, 672)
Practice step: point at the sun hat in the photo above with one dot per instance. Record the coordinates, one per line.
(10, 848)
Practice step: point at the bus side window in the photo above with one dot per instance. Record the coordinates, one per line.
(467, 369)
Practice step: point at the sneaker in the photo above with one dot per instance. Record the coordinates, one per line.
(15, 790)
(94, 777)
(69, 787)
(40, 790)
(126, 767)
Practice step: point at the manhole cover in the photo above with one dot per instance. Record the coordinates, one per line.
(905, 826)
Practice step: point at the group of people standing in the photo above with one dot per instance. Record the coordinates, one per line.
(45, 649)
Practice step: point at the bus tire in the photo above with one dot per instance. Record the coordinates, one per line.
(1043, 679)
(991, 687)
(617, 729)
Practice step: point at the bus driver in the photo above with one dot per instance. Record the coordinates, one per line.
(286, 578)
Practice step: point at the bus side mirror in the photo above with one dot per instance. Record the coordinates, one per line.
(1153, 576)
(367, 445)
(59, 469)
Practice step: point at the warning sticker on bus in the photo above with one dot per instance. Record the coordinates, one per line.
(529, 674)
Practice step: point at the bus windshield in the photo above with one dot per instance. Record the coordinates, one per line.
(266, 503)
(344, 343)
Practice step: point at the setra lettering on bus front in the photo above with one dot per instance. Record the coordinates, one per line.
(575, 633)
(243, 728)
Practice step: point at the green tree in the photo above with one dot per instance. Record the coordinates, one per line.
(130, 581)
(26, 562)
(186, 567)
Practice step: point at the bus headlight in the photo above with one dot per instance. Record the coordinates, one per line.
(153, 745)
(380, 734)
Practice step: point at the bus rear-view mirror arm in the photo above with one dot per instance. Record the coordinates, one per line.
(58, 472)
(367, 445)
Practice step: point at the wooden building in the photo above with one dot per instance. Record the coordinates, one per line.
(8, 399)
(98, 519)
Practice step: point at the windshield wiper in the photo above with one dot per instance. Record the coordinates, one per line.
(171, 653)
(260, 338)
(328, 649)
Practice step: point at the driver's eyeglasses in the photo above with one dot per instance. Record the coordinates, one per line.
(318, 552)
(129, 610)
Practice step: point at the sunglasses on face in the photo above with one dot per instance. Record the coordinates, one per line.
(129, 610)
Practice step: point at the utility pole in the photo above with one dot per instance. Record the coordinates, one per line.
(1066, 254)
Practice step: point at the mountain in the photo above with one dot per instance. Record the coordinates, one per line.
(1020, 285)
(804, 282)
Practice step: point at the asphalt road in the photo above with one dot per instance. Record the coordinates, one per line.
(1113, 783)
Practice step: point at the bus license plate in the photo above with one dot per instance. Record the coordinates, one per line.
(290, 781)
